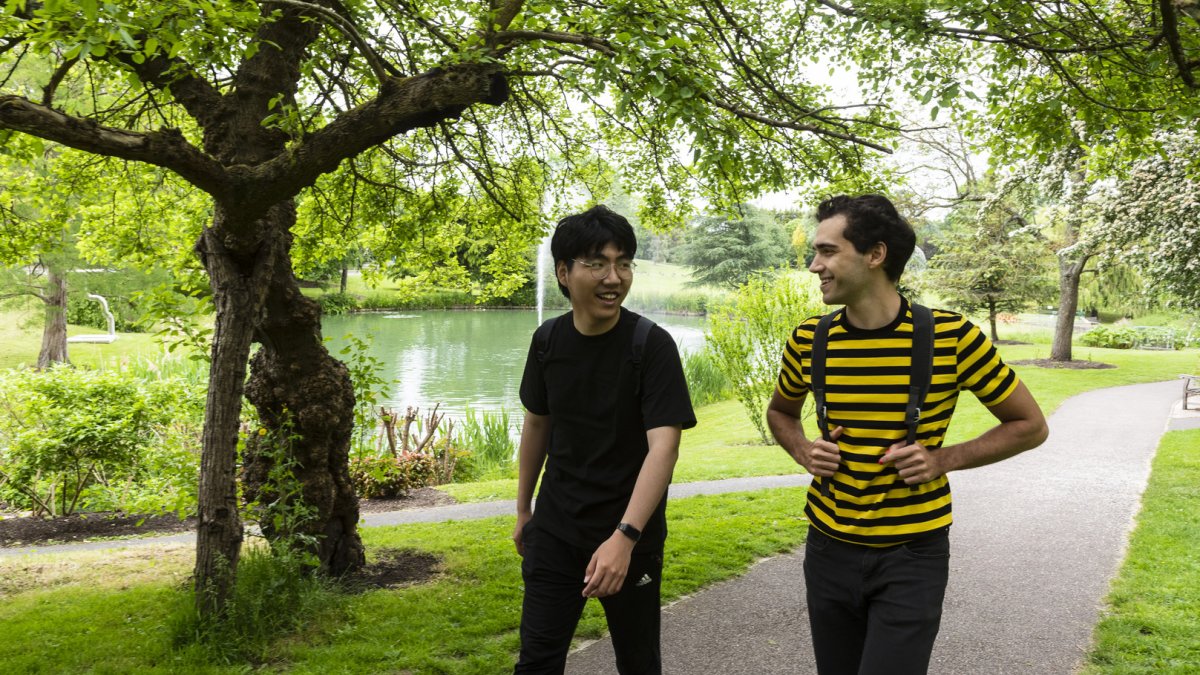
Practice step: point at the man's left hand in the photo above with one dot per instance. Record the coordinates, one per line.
(915, 463)
(607, 569)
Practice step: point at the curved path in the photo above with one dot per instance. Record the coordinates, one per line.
(1035, 543)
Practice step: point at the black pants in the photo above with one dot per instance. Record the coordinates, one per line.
(875, 610)
(553, 571)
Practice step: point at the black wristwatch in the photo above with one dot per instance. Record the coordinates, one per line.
(630, 531)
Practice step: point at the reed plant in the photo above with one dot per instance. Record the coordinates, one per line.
(706, 381)
(488, 436)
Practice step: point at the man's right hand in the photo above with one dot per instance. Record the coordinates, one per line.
(820, 457)
(519, 532)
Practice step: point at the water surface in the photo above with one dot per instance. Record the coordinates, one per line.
(462, 359)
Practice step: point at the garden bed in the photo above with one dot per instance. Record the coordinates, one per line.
(17, 530)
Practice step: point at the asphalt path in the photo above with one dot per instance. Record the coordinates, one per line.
(1035, 542)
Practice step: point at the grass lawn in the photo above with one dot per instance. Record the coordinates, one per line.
(112, 612)
(21, 339)
(1153, 617)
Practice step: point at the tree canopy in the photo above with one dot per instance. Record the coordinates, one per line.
(727, 251)
(449, 106)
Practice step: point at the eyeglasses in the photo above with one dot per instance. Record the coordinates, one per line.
(600, 269)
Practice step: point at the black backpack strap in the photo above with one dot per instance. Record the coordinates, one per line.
(921, 372)
(541, 338)
(641, 333)
(816, 382)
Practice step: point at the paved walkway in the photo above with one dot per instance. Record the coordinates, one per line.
(1036, 541)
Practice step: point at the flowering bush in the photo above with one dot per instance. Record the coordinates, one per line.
(387, 477)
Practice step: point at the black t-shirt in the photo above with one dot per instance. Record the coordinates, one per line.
(598, 425)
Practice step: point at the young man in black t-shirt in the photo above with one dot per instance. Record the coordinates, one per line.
(606, 431)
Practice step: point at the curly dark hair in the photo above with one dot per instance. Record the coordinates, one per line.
(872, 219)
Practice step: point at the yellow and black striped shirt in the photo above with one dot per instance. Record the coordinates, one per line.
(866, 384)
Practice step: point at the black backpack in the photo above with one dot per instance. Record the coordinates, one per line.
(919, 376)
(641, 332)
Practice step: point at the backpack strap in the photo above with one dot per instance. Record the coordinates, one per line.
(541, 338)
(816, 382)
(641, 333)
(921, 372)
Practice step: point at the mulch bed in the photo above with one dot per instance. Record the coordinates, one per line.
(1072, 365)
(393, 568)
(19, 531)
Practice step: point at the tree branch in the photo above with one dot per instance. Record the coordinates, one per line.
(504, 13)
(403, 104)
(1170, 31)
(588, 41)
(56, 79)
(166, 148)
(346, 26)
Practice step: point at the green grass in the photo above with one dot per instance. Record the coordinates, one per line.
(464, 621)
(1153, 616)
(21, 339)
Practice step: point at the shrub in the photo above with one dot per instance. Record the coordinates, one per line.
(1110, 337)
(75, 439)
(746, 335)
(337, 303)
(1131, 337)
(387, 477)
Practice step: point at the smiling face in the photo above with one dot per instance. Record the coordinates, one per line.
(846, 275)
(596, 303)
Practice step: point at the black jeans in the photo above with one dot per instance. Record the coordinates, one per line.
(875, 610)
(553, 572)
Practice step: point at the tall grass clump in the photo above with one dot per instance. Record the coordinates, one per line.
(489, 439)
(276, 594)
(706, 382)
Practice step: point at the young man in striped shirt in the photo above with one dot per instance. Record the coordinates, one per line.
(877, 556)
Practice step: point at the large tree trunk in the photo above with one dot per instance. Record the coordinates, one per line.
(294, 381)
(1070, 271)
(54, 330)
(1069, 274)
(240, 273)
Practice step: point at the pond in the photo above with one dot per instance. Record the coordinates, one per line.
(462, 359)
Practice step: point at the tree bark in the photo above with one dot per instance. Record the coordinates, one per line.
(240, 274)
(1069, 274)
(294, 381)
(54, 330)
(345, 278)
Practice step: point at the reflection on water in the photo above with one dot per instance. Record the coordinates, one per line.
(461, 359)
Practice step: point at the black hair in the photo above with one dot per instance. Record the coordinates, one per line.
(584, 235)
(873, 219)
